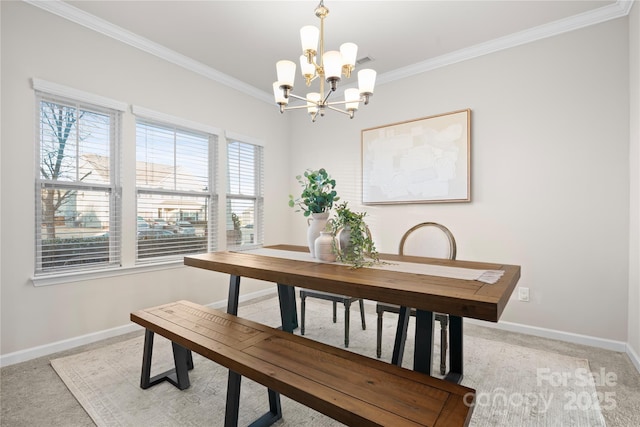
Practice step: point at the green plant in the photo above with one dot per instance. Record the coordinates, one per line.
(318, 194)
(360, 250)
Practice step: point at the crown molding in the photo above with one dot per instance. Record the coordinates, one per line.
(58, 7)
(617, 10)
(78, 16)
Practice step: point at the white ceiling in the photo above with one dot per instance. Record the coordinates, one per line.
(229, 40)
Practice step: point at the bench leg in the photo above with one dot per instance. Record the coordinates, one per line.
(145, 377)
(233, 405)
(178, 376)
(182, 359)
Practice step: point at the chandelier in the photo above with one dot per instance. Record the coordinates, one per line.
(329, 69)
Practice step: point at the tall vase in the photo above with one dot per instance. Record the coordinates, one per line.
(317, 223)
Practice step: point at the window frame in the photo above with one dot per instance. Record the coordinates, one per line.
(126, 189)
(257, 198)
(176, 124)
(58, 94)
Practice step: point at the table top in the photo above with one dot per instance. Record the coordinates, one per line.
(458, 297)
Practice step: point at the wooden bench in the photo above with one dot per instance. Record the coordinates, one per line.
(348, 387)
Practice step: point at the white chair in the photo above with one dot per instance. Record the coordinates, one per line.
(428, 239)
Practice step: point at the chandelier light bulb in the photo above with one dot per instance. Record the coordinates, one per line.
(352, 99)
(309, 37)
(366, 81)
(307, 69)
(286, 71)
(313, 99)
(332, 62)
(279, 95)
(349, 52)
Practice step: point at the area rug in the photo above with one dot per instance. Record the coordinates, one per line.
(516, 386)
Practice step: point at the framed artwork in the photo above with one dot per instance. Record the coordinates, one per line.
(425, 160)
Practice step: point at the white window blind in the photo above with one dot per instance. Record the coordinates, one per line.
(245, 194)
(176, 202)
(78, 195)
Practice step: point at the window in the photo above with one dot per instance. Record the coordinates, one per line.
(78, 193)
(245, 198)
(176, 201)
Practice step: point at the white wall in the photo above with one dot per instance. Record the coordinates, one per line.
(550, 171)
(38, 44)
(634, 195)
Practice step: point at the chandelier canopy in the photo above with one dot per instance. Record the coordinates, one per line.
(329, 67)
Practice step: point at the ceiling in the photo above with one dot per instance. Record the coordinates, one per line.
(240, 41)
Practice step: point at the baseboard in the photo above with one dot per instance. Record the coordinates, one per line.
(619, 346)
(635, 359)
(47, 349)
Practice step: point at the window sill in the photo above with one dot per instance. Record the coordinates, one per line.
(78, 276)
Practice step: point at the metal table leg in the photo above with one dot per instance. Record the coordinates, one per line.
(423, 350)
(455, 350)
(288, 315)
(234, 381)
(401, 336)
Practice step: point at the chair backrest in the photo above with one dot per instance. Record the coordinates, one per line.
(428, 239)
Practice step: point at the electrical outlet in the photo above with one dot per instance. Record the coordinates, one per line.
(523, 294)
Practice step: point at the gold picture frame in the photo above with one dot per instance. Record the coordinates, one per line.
(426, 160)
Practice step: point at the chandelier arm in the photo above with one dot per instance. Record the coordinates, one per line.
(324, 101)
(315, 76)
(338, 110)
(337, 103)
(291, 95)
(295, 107)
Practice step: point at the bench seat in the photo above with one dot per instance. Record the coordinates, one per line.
(348, 387)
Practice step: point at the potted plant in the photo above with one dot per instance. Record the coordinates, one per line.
(353, 243)
(315, 201)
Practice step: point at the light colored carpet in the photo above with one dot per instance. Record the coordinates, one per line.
(515, 385)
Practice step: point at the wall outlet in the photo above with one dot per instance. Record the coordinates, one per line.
(523, 294)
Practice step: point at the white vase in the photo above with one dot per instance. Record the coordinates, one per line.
(324, 247)
(344, 239)
(317, 223)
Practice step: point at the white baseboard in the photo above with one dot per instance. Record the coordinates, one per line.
(44, 350)
(612, 345)
(47, 349)
(607, 344)
(635, 359)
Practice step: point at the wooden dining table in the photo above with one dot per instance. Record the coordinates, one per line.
(428, 293)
